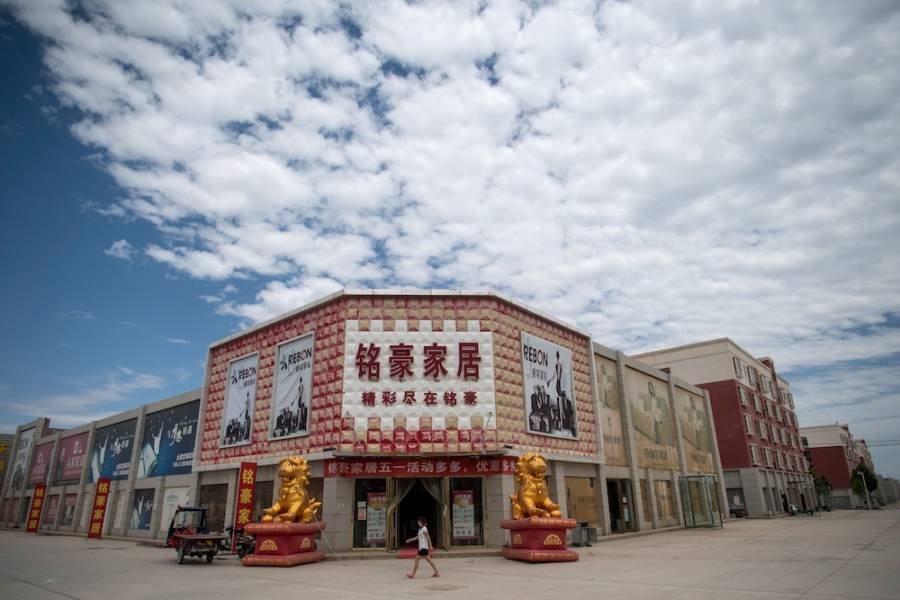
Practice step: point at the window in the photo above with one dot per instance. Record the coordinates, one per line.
(754, 455)
(738, 372)
(748, 424)
(742, 395)
(757, 403)
(645, 501)
(763, 430)
(768, 457)
(665, 505)
(778, 413)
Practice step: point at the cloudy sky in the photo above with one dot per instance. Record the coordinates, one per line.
(655, 172)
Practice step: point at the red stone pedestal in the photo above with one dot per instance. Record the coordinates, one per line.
(538, 539)
(284, 544)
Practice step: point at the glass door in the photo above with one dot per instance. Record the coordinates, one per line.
(699, 501)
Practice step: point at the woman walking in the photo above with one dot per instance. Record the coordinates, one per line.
(425, 549)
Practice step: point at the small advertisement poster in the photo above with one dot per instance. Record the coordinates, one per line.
(293, 388)
(463, 515)
(23, 451)
(376, 517)
(549, 388)
(52, 509)
(68, 516)
(40, 464)
(168, 444)
(172, 499)
(142, 509)
(70, 458)
(240, 396)
(111, 454)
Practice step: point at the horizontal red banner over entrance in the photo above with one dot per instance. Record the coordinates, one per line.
(418, 467)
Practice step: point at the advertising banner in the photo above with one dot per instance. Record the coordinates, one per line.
(68, 516)
(142, 509)
(168, 444)
(98, 511)
(111, 454)
(40, 464)
(418, 467)
(246, 489)
(172, 499)
(37, 504)
(52, 509)
(463, 515)
(293, 388)
(696, 431)
(376, 517)
(240, 396)
(70, 458)
(654, 427)
(549, 388)
(23, 451)
(610, 412)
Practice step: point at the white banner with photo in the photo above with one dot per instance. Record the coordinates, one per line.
(549, 388)
(240, 396)
(23, 451)
(292, 396)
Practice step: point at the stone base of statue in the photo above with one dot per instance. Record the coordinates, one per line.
(538, 539)
(284, 544)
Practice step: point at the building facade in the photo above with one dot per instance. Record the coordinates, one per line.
(418, 404)
(765, 469)
(833, 454)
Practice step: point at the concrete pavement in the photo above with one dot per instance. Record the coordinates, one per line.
(847, 554)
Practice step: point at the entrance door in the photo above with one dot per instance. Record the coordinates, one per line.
(699, 501)
(422, 500)
(215, 498)
(621, 512)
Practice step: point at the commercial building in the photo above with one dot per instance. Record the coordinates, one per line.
(418, 403)
(762, 458)
(833, 454)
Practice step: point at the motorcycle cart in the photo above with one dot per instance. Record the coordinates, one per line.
(198, 544)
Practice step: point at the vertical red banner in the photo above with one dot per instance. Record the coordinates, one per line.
(98, 512)
(243, 506)
(37, 503)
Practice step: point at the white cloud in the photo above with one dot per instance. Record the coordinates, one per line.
(656, 175)
(80, 315)
(179, 341)
(120, 249)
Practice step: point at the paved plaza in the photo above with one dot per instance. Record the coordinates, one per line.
(850, 554)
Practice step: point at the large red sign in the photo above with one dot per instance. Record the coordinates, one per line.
(98, 512)
(243, 511)
(419, 467)
(37, 503)
(70, 458)
(40, 464)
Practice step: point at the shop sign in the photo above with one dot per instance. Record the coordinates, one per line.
(240, 396)
(243, 512)
(70, 458)
(40, 464)
(463, 515)
(376, 516)
(111, 454)
(549, 388)
(98, 512)
(419, 373)
(168, 444)
(37, 504)
(418, 467)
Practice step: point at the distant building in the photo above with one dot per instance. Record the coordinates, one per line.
(833, 454)
(762, 459)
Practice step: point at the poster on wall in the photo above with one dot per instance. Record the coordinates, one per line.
(240, 396)
(111, 454)
(549, 388)
(463, 515)
(23, 451)
(696, 431)
(68, 516)
(40, 464)
(293, 388)
(142, 509)
(610, 412)
(70, 458)
(376, 516)
(172, 499)
(168, 444)
(653, 424)
(52, 509)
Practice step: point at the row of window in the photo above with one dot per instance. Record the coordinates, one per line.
(761, 382)
(767, 431)
(776, 458)
(770, 409)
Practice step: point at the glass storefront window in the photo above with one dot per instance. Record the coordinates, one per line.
(370, 504)
(466, 511)
(262, 498)
(664, 500)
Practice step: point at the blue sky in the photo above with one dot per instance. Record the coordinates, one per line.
(655, 175)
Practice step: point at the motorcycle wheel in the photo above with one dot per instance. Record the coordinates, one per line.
(209, 557)
(180, 555)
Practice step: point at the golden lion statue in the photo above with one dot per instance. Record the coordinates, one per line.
(531, 498)
(293, 504)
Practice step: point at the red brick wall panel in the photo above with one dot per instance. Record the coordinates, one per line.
(831, 463)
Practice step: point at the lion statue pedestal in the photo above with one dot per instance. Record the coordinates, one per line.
(287, 534)
(537, 529)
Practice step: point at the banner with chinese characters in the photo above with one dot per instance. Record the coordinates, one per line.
(463, 515)
(419, 467)
(240, 396)
(98, 511)
(70, 458)
(37, 504)
(168, 444)
(696, 431)
(549, 388)
(111, 454)
(376, 517)
(400, 377)
(651, 417)
(293, 388)
(243, 506)
(40, 464)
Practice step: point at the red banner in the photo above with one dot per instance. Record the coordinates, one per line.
(37, 503)
(243, 506)
(40, 464)
(70, 458)
(419, 467)
(98, 512)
